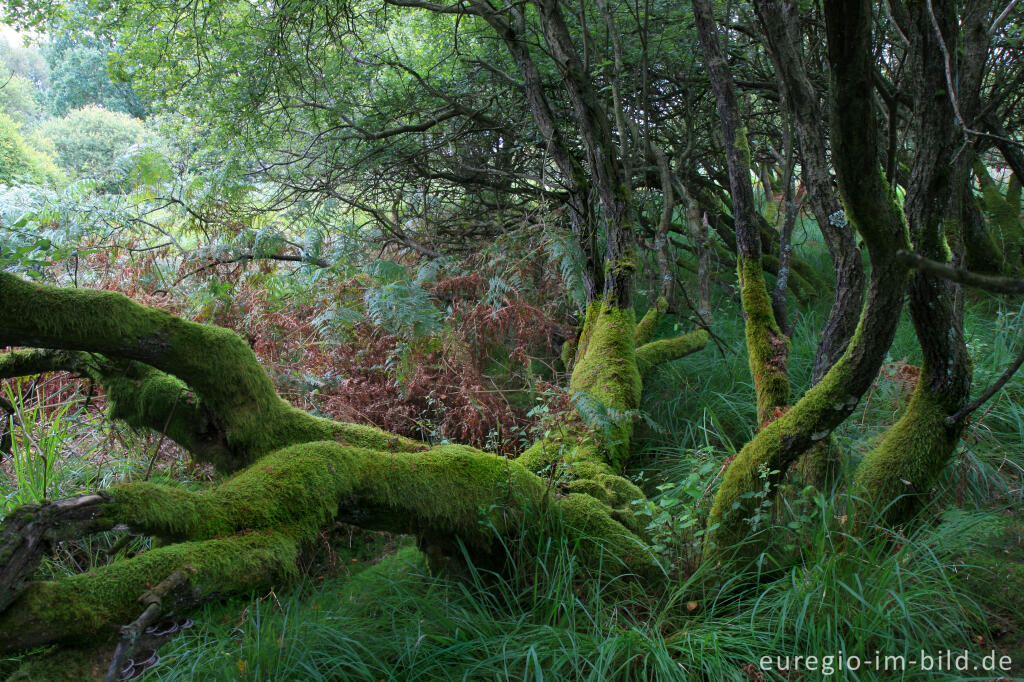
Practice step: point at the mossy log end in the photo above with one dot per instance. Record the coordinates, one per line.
(292, 473)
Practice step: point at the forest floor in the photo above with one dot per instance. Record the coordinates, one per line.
(368, 608)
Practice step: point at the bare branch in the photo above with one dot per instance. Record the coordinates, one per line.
(1000, 285)
(991, 391)
(998, 22)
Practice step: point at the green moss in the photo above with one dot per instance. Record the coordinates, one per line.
(588, 486)
(648, 325)
(652, 354)
(215, 363)
(603, 542)
(811, 420)
(743, 145)
(899, 473)
(568, 353)
(256, 520)
(88, 606)
(298, 487)
(622, 266)
(450, 488)
(767, 348)
(607, 370)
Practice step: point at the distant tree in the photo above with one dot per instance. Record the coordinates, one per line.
(79, 78)
(79, 63)
(89, 140)
(27, 62)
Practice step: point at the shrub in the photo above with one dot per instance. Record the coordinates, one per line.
(90, 139)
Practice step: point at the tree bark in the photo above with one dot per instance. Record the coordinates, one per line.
(767, 347)
(899, 473)
(874, 212)
(294, 472)
(778, 20)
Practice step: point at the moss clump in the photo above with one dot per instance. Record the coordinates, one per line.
(898, 473)
(607, 370)
(767, 346)
(603, 542)
(568, 353)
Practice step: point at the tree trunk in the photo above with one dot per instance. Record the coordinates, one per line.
(294, 472)
(767, 347)
(899, 473)
(873, 210)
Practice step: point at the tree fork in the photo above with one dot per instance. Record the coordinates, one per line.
(244, 533)
(875, 213)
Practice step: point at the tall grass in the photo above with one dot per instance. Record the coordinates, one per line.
(59, 447)
(549, 619)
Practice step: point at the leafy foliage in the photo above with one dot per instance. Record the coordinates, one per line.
(88, 140)
(20, 162)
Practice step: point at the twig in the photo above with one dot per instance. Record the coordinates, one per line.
(129, 633)
(991, 391)
(1001, 18)
(1001, 285)
(163, 435)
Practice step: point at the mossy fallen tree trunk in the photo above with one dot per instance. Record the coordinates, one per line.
(292, 472)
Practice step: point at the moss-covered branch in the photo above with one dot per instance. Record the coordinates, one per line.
(244, 534)
(89, 606)
(650, 355)
(648, 324)
(214, 364)
(294, 473)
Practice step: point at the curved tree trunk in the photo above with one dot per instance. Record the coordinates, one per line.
(902, 469)
(293, 472)
(873, 210)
